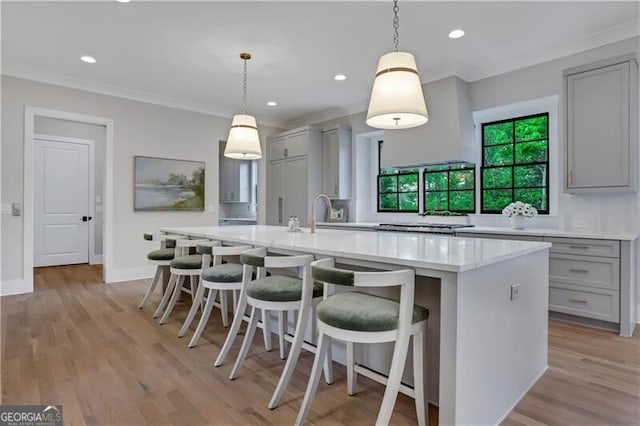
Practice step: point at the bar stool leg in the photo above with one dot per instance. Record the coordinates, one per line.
(246, 343)
(266, 330)
(324, 342)
(152, 287)
(192, 312)
(204, 318)
(174, 298)
(395, 376)
(328, 367)
(238, 317)
(282, 318)
(224, 308)
(418, 378)
(352, 377)
(167, 294)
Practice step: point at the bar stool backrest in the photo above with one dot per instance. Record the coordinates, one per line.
(218, 252)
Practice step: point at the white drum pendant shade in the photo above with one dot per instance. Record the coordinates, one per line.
(243, 142)
(397, 101)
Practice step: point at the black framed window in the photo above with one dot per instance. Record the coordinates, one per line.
(450, 188)
(515, 163)
(397, 189)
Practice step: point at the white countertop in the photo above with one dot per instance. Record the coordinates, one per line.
(539, 232)
(549, 232)
(238, 219)
(429, 251)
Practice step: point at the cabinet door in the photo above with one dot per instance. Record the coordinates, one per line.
(598, 139)
(275, 195)
(296, 144)
(296, 197)
(330, 163)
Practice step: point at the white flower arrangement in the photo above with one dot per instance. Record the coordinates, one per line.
(520, 209)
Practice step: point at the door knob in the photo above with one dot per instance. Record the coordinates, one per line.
(86, 218)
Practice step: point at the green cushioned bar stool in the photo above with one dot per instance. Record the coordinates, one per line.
(356, 317)
(280, 293)
(161, 258)
(184, 265)
(219, 278)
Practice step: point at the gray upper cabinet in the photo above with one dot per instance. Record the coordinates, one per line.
(601, 126)
(336, 162)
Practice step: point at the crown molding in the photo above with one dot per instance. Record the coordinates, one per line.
(28, 73)
(327, 114)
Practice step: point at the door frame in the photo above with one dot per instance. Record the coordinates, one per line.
(94, 259)
(30, 113)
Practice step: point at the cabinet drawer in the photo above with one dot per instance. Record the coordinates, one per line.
(584, 302)
(599, 272)
(582, 246)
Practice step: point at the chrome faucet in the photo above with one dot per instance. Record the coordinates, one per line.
(312, 220)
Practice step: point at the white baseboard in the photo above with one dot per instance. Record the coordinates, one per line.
(130, 274)
(11, 287)
(526, 391)
(96, 259)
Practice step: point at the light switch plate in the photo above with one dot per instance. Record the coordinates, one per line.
(515, 291)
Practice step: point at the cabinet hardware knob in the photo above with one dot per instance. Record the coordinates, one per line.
(570, 177)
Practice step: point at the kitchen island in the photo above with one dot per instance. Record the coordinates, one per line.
(493, 297)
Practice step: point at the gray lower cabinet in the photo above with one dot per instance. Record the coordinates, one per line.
(601, 126)
(588, 278)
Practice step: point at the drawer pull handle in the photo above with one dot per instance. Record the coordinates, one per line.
(579, 271)
(580, 301)
(579, 247)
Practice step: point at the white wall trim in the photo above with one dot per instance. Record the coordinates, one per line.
(131, 274)
(28, 73)
(30, 113)
(92, 182)
(11, 287)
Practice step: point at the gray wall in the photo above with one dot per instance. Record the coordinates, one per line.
(55, 127)
(139, 129)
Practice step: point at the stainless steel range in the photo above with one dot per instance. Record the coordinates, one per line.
(427, 228)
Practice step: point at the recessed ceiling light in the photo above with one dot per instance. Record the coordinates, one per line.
(88, 59)
(340, 77)
(272, 103)
(123, 1)
(456, 33)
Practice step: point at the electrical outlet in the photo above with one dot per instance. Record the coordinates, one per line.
(515, 291)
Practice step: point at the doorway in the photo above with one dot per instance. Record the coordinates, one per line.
(64, 231)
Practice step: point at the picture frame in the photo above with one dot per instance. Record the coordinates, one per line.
(339, 214)
(167, 184)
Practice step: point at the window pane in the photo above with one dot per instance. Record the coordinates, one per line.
(388, 171)
(437, 168)
(537, 197)
(389, 202)
(498, 133)
(498, 155)
(408, 182)
(499, 177)
(409, 201)
(531, 152)
(496, 199)
(531, 128)
(436, 201)
(436, 181)
(461, 201)
(388, 184)
(530, 176)
(461, 179)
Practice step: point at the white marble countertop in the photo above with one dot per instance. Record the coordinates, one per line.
(549, 232)
(429, 251)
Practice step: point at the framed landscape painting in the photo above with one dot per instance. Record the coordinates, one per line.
(163, 184)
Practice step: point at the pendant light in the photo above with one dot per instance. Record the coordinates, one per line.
(243, 142)
(397, 101)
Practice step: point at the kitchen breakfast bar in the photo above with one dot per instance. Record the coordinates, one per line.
(487, 339)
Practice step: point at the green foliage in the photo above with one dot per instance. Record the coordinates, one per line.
(437, 181)
(462, 179)
(498, 155)
(499, 177)
(398, 192)
(387, 184)
(528, 176)
(388, 202)
(498, 133)
(496, 199)
(450, 188)
(461, 201)
(531, 128)
(531, 152)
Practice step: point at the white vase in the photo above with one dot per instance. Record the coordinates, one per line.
(517, 221)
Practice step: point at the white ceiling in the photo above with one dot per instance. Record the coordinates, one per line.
(186, 54)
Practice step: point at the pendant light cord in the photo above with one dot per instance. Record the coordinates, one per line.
(396, 24)
(244, 89)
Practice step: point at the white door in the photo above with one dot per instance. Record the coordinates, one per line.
(61, 201)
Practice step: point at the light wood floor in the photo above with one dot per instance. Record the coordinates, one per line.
(86, 345)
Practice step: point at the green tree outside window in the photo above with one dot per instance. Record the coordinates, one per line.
(515, 163)
(450, 187)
